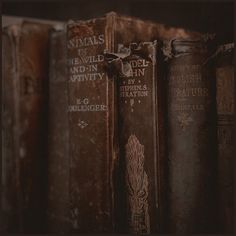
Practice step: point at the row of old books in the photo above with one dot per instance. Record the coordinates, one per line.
(116, 125)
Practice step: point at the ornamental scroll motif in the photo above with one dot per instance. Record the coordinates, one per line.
(137, 187)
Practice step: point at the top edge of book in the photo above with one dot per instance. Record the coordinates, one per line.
(11, 21)
(113, 15)
(162, 27)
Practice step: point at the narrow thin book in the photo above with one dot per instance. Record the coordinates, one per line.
(58, 211)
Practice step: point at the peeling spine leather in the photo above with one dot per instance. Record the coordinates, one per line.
(169, 52)
(225, 48)
(118, 61)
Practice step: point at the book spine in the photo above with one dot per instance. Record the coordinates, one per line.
(191, 139)
(91, 126)
(162, 141)
(137, 107)
(225, 95)
(30, 63)
(33, 70)
(9, 190)
(58, 137)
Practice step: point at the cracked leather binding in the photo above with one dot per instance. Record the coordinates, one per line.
(191, 138)
(25, 78)
(58, 137)
(225, 95)
(137, 128)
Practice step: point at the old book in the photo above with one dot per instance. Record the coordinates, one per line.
(25, 81)
(8, 170)
(91, 126)
(225, 95)
(58, 137)
(191, 138)
(137, 131)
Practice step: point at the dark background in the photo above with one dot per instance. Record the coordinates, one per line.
(204, 16)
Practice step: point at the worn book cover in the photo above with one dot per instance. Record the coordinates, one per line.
(191, 138)
(25, 78)
(225, 96)
(58, 210)
(137, 105)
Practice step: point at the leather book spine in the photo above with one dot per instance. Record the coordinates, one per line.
(58, 137)
(161, 122)
(9, 196)
(33, 70)
(225, 96)
(191, 139)
(91, 126)
(137, 127)
(29, 43)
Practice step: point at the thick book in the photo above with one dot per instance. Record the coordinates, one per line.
(138, 133)
(93, 115)
(225, 96)
(25, 78)
(58, 137)
(191, 138)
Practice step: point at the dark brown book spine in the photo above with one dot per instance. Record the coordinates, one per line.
(29, 45)
(191, 139)
(225, 94)
(58, 137)
(91, 126)
(137, 127)
(9, 198)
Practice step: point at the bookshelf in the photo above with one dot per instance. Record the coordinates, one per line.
(205, 16)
